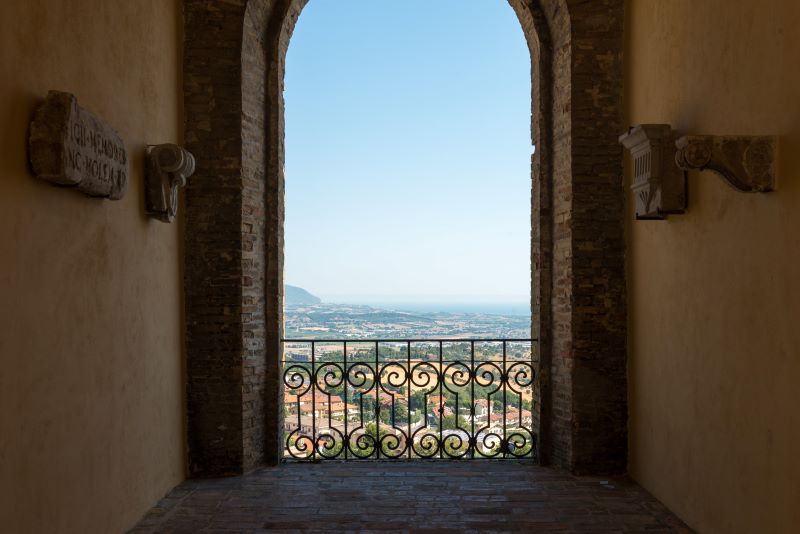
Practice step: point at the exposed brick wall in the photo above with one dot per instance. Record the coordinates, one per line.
(214, 272)
(536, 29)
(599, 379)
(268, 29)
(233, 84)
(233, 77)
(578, 231)
(254, 235)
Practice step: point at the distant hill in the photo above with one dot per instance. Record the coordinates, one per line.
(297, 296)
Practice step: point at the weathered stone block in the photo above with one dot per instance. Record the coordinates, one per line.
(71, 147)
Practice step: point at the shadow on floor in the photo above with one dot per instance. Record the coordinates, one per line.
(423, 497)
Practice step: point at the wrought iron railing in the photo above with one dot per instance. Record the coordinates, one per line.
(406, 399)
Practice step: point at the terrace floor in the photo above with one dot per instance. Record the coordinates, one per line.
(441, 496)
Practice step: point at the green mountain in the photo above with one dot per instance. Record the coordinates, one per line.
(297, 296)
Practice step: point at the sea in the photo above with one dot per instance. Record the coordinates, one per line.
(491, 308)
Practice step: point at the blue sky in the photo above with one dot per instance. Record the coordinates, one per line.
(408, 151)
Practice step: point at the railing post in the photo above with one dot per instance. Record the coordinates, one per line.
(504, 378)
(408, 397)
(377, 376)
(346, 437)
(313, 402)
(473, 439)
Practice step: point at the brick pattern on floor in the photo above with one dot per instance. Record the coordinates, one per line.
(420, 497)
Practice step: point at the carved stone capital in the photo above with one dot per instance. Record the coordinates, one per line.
(747, 163)
(168, 167)
(659, 186)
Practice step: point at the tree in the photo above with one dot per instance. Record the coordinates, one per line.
(417, 401)
(450, 422)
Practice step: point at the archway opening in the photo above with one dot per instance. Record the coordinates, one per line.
(408, 211)
(234, 58)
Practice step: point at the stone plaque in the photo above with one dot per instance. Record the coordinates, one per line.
(71, 147)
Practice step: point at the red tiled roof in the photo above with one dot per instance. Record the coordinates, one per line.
(511, 415)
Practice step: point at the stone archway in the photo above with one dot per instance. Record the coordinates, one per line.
(233, 93)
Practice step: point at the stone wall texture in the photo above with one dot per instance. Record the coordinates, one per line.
(233, 84)
(714, 293)
(91, 299)
(215, 278)
(597, 220)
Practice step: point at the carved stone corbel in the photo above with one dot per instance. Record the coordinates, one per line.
(168, 167)
(747, 163)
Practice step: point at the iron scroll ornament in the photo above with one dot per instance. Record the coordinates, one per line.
(448, 389)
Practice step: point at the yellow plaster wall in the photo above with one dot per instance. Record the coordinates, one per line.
(715, 293)
(91, 421)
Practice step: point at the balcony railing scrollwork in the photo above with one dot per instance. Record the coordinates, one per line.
(409, 399)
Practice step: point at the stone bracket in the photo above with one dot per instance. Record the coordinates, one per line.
(747, 163)
(661, 160)
(168, 167)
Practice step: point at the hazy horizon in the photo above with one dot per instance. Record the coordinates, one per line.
(485, 304)
(408, 160)
(489, 307)
(432, 298)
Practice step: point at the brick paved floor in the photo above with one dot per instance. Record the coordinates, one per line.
(446, 497)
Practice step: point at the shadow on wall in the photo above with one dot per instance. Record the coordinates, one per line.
(20, 107)
(788, 149)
